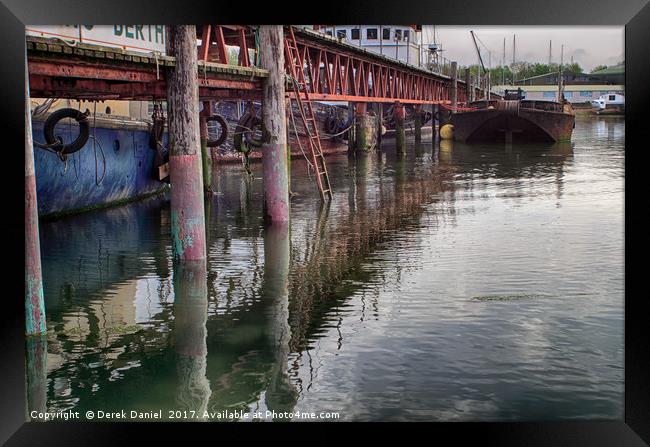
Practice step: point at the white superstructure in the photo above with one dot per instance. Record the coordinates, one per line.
(401, 42)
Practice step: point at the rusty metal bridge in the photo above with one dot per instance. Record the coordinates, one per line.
(334, 71)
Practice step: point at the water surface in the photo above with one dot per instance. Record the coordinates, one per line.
(455, 283)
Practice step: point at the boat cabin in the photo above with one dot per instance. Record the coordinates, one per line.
(612, 100)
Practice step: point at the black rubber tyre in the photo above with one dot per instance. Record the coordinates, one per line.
(252, 123)
(331, 125)
(84, 129)
(224, 130)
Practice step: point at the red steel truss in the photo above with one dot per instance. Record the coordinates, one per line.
(333, 71)
(343, 73)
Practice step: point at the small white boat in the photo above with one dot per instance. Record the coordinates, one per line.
(613, 103)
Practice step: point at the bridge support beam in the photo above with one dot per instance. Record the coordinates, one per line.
(185, 161)
(34, 303)
(400, 134)
(418, 123)
(274, 121)
(365, 134)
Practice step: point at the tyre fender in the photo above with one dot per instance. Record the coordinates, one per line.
(84, 129)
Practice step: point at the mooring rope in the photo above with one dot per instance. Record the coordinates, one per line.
(94, 137)
(310, 166)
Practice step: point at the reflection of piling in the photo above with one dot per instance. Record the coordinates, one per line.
(205, 150)
(280, 394)
(186, 171)
(190, 317)
(351, 131)
(274, 120)
(342, 250)
(418, 124)
(400, 135)
(36, 377)
(435, 121)
(34, 304)
(380, 123)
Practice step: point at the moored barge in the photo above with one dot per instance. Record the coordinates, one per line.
(514, 119)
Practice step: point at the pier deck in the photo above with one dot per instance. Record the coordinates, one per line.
(337, 71)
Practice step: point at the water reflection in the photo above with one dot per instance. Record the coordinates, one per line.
(190, 316)
(36, 375)
(280, 395)
(364, 305)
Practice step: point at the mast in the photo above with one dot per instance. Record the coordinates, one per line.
(478, 52)
(514, 37)
(503, 67)
(559, 78)
(489, 74)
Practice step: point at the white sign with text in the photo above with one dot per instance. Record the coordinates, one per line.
(142, 38)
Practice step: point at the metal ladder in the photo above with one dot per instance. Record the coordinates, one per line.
(294, 63)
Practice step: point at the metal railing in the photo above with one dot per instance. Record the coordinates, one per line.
(439, 65)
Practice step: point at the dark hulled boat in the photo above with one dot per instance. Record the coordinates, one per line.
(514, 119)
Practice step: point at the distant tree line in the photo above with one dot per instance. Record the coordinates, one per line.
(522, 70)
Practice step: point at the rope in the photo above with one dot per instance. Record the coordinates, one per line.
(94, 137)
(44, 107)
(310, 166)
(247, 164)
(458, 108)
(59, 142)
(337, 134)
(73, 44)
(155, 56)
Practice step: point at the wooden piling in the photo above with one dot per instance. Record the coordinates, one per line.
(274, 121)
(454, 84)
(34, 303)
(400, 134)
(468, 85)
(185, 160)
(365, 129)
(360, 134)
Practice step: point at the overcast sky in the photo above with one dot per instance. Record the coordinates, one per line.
(589, 45)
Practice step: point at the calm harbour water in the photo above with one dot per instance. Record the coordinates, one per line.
(456, 283)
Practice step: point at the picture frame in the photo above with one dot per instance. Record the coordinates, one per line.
(634, 15)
